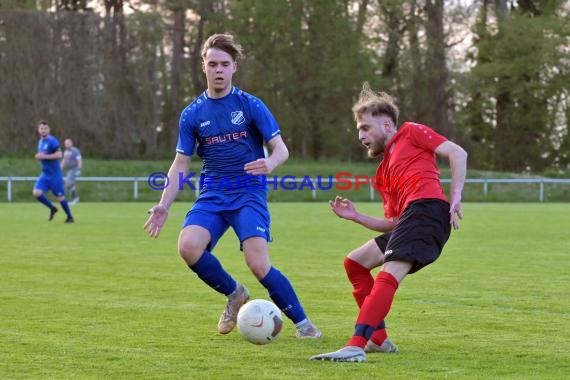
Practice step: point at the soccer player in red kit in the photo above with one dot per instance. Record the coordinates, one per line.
(418, 216)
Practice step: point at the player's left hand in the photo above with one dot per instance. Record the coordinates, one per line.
(158, 215)
(259, 167)
(40, 156)
(455, 209)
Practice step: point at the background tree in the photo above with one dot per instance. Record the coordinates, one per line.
(522, 79)
(492, 74)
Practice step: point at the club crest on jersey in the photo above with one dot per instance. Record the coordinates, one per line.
(237, 117)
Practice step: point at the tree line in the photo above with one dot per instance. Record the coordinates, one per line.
(491, 74)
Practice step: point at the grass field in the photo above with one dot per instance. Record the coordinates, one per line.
(99, 299)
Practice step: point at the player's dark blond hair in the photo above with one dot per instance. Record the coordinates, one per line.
(224, 42)
(376, 103)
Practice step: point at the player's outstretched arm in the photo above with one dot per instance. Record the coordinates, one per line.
(458, 162)
(159, 213)
(344, 208)
(279, 154)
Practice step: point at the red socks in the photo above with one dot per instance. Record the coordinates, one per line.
(374, 308)
(360, 278)
(379, 336)
(362, 282)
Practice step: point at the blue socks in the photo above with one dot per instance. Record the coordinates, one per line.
(209, 269)
(282, 293)
(42, 199)
(65, 208)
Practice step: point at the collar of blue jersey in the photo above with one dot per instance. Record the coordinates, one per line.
(206, 97)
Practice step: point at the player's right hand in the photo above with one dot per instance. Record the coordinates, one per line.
(455, 210)
(343, 208)
(158, 215)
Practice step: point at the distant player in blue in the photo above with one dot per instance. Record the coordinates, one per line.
(227, 127)
(49, 152)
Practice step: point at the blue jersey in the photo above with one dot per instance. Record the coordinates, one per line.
(226, 133)
(49, 145)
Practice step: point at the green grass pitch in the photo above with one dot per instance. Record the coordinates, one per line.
(99, 299)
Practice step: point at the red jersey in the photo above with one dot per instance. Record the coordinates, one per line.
(408, 171)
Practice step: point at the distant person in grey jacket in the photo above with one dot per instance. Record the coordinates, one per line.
(72, 164)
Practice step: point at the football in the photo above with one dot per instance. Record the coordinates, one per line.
(259, 321)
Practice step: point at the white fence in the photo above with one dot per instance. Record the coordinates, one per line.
(485, 182)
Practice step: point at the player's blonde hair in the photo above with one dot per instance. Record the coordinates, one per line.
(377, 103)
(224, 42)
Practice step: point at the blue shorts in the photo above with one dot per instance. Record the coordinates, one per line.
(248, 221)
(55, 184)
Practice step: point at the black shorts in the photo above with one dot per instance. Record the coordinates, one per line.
(420, 234)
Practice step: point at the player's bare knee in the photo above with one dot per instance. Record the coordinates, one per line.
(368, 255)
(192, 242)
(347, 263)
(352, 255)
(358, 256)
(259, 267)
(37, 193)
(190, 249)
(398, 269)
(257, 258)
(60, 199)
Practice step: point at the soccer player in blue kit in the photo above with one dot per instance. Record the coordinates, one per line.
(227, 127)
(49, 152)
